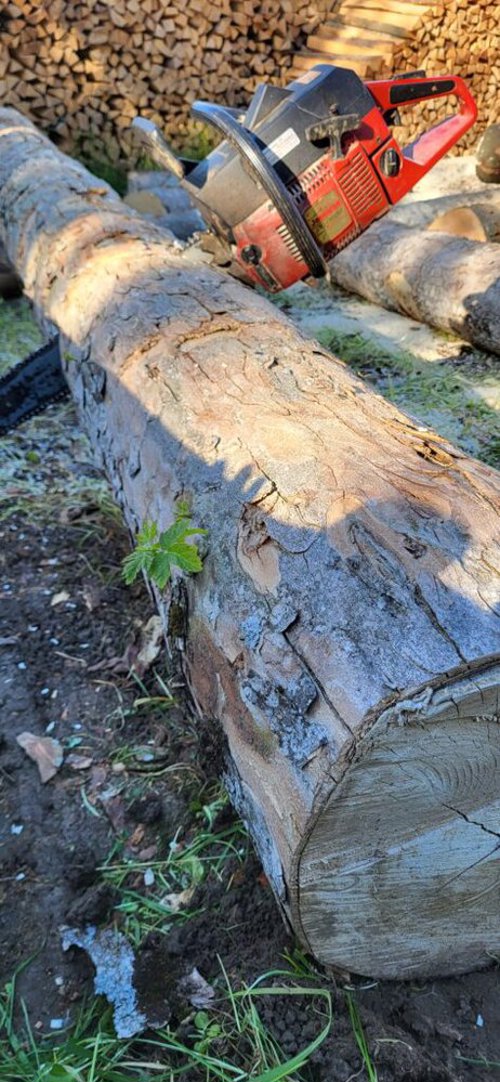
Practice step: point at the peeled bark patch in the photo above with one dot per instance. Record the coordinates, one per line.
(344, 631)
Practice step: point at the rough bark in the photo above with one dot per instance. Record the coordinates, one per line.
(449, 282)
(343, 631)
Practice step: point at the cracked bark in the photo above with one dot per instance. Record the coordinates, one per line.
(350, 567)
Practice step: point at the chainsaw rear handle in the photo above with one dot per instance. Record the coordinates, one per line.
(390, 94)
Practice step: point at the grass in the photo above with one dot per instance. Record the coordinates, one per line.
(488, 1064)
(228, 1043)
(41, 474)
(438, 393)
(359, 1036)
(191, 857)
(19, 334)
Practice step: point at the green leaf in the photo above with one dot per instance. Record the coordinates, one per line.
(160, 569)
(185, 556)
(148, 533)
(136, 561)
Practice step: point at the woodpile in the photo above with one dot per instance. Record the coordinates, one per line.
(463, 38)
(362, 35)
(82, 70)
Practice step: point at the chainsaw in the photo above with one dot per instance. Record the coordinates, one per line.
(296, 178)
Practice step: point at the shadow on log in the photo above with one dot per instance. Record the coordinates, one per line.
(344, 630)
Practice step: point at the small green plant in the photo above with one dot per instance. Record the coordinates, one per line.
(157, 553)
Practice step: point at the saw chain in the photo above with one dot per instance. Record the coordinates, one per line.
(31, 386)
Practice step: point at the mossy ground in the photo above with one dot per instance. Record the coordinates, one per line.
(456, 398)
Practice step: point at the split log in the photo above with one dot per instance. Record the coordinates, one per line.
(449, 282)
(343, 631)
(419, 213)
(477, 222)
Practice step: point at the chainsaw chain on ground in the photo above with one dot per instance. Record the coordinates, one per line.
(14, 413)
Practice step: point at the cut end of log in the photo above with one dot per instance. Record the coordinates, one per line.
(400, 875)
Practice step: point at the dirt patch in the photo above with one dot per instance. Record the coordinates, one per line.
(136, 782)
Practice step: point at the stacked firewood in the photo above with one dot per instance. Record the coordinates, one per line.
(461, 38)
(83, 69)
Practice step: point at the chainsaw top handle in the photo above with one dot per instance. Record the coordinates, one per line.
(245, 143)
(392, 94)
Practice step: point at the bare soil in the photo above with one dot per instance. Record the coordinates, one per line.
(69, 633)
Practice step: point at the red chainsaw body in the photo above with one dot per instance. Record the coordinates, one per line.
(339, 197)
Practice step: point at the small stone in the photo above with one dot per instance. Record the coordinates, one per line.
(480, 1021)
(149, 877)
(45, 691)
(17, 828)
(57, 1023)
(22, 665)
(488, 156)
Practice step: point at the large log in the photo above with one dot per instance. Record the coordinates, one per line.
(344, 629)
(449, 282)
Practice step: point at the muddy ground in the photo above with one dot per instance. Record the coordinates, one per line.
(135, 779)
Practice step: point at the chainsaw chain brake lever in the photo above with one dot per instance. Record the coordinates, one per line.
(158, 147)
(263, 173)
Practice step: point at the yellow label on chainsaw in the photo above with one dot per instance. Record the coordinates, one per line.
(334, 221)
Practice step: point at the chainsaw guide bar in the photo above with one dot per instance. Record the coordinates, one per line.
(31, 386)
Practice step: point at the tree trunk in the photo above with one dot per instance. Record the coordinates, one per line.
(449, 282)
(343, 630)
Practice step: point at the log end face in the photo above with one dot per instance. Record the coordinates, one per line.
(400, 876)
